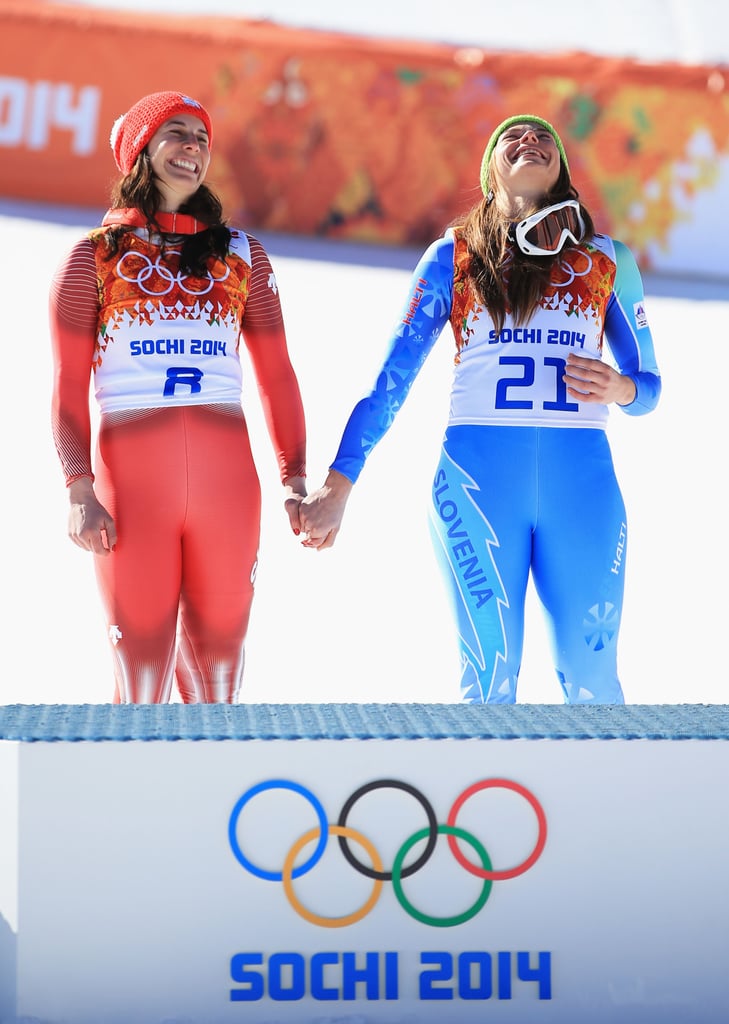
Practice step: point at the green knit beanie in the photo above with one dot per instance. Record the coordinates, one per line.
(496, 134)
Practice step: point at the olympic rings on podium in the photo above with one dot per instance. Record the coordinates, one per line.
(376, 870)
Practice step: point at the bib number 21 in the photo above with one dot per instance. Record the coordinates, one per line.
(508, 387)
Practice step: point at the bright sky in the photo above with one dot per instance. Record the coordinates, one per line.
(693, 31)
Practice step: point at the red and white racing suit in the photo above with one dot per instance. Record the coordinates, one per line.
(173, 463)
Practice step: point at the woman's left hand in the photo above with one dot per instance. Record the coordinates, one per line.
(591, 380)
(295, 490)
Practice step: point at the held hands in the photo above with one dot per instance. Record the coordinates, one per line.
(321, 513)
(591, 380)
(89, 524)
(295, 492)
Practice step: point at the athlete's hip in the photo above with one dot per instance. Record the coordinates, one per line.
(521, 472)
(537, 447)
(184, 449)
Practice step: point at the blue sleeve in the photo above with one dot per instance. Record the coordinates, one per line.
(629, 336)
(424, 314)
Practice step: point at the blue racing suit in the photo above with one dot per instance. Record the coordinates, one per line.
(525, 481)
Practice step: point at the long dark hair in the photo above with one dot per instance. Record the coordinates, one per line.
(139, 189)
(504, 278)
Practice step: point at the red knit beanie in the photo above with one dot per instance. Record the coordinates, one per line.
(132, 131)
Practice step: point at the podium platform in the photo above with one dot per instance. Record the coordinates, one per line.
(362, 863)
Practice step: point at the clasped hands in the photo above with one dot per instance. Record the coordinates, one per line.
(320, 514)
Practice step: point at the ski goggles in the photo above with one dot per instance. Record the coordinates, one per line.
(547, 230)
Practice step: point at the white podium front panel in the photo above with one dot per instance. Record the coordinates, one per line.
(394, 880)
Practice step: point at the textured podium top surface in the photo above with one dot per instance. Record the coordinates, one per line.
(103, 722)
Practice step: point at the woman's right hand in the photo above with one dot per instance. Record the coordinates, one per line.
(89, 524)
(320, 514)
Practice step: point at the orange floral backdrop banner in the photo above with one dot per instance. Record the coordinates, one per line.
(341, 136)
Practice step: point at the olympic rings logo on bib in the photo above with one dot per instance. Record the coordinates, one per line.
(149, 268)
(565, 272)
(376, 870)
(571, 271)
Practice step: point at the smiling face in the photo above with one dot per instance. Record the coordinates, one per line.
(180, 156)
(525, 163)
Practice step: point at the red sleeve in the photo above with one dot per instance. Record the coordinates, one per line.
(265, 338)
(73, 316)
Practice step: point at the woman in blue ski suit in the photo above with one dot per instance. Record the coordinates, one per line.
(525, 481)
